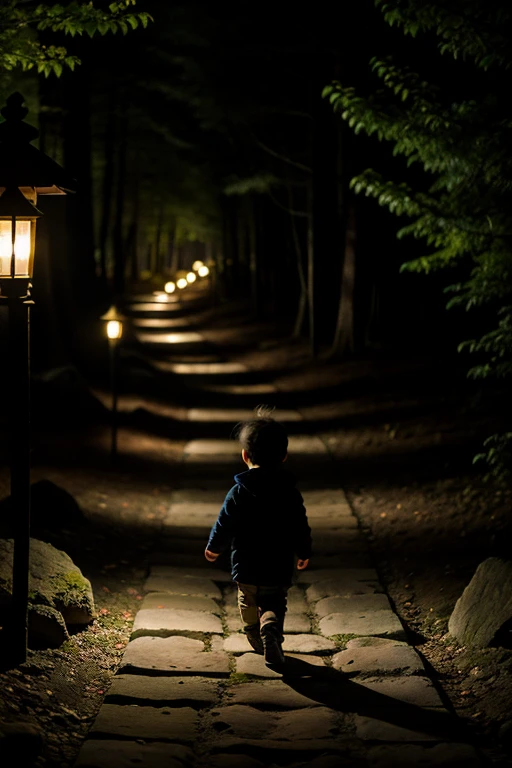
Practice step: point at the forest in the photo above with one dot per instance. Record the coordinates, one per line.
(344, 173)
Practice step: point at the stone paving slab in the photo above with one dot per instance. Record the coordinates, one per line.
(182, 585)
(233, 416)
(197, 531)
(294, 725)
(118, 753)
(280, 752)
(334, 522)
(193, 495)
(352, 604)
(164, 622)
(254, 664)
(313, 574)
(343, 586)
(378, 623)
(324, 496)
(173, 655)
(418, 691)
(436, 756)
(191, 510)
(149, 723)
(339, 513)
(337, 561)
(168, 601)
(372, 655)
(162, 691)
(371, 729)
(273, 694)
(340, 542)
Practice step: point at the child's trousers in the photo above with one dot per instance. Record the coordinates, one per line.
(254, 601)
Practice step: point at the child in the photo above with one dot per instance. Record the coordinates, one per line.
(264, 521)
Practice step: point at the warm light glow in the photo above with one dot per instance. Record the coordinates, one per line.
(22, 247)
(182, 283)
(114, 329)
(161, 297)
(170, 287)
(191, 277)
(203, 271)
(196, 266)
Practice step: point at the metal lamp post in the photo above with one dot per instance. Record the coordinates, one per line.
(114, 327)
(25, 173)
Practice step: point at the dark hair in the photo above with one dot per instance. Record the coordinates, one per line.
(263, 438)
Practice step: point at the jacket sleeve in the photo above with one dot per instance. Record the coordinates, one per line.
(302, 532)
(223, 530)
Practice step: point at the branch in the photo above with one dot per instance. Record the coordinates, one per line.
(283, 158)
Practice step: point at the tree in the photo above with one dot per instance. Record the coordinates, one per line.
(454, 126)
(21, 25)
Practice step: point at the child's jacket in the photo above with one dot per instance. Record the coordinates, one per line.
(264, 520)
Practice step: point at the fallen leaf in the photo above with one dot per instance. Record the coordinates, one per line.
(105, 589)
(104, 612)
(119, 645)
(131, 591)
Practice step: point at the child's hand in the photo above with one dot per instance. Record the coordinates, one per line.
(210, 556)
(302, 564)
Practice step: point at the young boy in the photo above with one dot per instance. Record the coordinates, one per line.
(264, 521)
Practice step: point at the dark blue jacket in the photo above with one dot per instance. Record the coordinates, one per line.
(264, 521)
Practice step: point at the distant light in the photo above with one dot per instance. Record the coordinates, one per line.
(182, 283)
(196, 266)
(191, 277)
(203, 271)
(114, 329)
(161, 297)
(170, 287)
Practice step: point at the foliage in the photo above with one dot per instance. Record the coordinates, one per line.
(20, 23)
(454, 131)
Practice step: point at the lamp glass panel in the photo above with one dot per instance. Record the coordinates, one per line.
(114, 329)
(5, 247)
(23, 245)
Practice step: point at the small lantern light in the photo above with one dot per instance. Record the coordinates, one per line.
(17, 234)
(114, 321)
(203, 271)
(182, 283)
(196, 266)
(170, 287)
(191, 277)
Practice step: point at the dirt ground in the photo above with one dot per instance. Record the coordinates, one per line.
(402, 438)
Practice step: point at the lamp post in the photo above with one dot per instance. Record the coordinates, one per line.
(25, 173)
(114, 328)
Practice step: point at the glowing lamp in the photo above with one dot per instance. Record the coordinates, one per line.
(114, 329)
(191, 277)
(182, 283)
(196, 266)
(114, 324)
(203, 271)
(18, 217)
(170, 287)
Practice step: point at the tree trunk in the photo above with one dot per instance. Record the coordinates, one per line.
(118, 241)
(303, 288)
(108, 180)
(344, 337)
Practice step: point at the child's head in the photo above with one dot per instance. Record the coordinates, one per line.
(263, 439)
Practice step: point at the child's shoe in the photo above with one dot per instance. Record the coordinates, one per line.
(271, 636)
(254, 638)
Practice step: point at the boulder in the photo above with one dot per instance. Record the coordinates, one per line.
(53, 509)
(46, 627)
(54, 582)
(485, 606)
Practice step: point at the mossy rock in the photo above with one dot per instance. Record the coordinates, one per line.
(54, 581)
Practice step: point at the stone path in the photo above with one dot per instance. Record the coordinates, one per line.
(190, 693)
